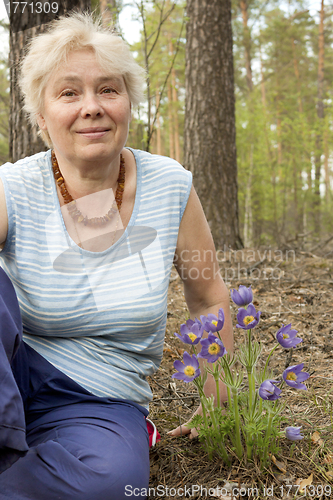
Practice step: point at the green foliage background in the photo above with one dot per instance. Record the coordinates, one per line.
(277, 122)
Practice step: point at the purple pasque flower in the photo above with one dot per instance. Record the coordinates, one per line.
(243, 296)
(187, 370)
(293, 376)
(294, 433)
(269, 391)
(191, 332)
(248, 318)
(212, 348)
(287, 337)
(211, 323)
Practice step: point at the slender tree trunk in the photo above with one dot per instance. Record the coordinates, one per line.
(110, 12)
(174, 106)
(175, 115)
(320, 114)
(298, 80)
(279, 143)
(296, 215)
(170, 120)
(23, 138)
(262, 84)
(271, 159)
(306, 155)
(210, 145)
(248, 206)
(105, 11)
(158, 124)
(327, 171)
(247, 43)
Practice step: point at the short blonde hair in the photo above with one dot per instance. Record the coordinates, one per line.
(78, 31)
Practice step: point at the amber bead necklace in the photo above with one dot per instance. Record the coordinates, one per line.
(75, 212)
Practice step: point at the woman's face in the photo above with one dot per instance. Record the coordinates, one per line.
(86, 110)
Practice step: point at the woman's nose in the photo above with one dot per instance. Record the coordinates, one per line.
(91, 106)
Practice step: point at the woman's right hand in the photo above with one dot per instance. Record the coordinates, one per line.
(186, 429)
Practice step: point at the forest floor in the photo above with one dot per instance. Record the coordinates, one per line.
(289, 287)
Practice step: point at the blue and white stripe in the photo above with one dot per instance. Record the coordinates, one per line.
(99, 317)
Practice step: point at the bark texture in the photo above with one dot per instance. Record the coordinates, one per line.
(23, 138)
(210, 142)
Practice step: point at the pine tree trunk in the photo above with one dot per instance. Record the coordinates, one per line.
(175, 115)
(271, 160)
(326, 165)
(174, 107)
(110, 12)
(247, 44)
(170, 120)
(158, 123)
(106, 12)
(210, 146)
(248, 206)
(320, 114)
(23, 139)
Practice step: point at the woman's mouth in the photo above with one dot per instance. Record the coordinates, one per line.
(94, 133)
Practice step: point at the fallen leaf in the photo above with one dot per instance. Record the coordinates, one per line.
(329, 474)
(280, 465)
(305, 482)
(316, 439)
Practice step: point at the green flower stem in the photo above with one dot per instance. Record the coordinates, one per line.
(260, 406)
(239, 448)
(267, 361)
(229, 397)
(221, 447)
(203, 400)
(248, 450)
(249, 339)
(252, 388)
(268, 434)
(217, 382)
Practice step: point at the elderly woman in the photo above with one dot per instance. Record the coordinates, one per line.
(89, 231)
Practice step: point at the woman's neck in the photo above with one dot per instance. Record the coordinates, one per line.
(87, 177)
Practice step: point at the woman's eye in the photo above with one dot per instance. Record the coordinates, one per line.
(68, 93)
(108, 90)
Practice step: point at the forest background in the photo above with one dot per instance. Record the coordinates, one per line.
(283, 67)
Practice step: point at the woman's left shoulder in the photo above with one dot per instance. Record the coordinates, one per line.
(161, 164)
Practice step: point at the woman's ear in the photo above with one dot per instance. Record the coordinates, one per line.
(41, 121)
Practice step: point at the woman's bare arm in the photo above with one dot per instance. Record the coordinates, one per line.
(204, 288)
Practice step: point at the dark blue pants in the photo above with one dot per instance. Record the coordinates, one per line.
(57, 440)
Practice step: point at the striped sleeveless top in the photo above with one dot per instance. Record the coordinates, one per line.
(99, 317)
